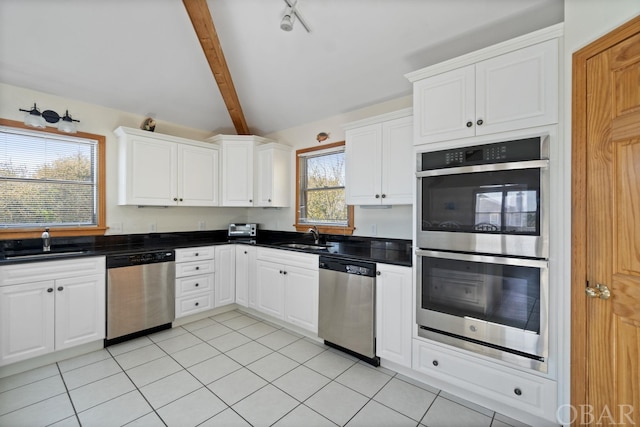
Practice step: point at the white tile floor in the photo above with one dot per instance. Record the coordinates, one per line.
(227, 370)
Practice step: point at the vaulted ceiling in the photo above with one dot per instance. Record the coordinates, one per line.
(143, 56)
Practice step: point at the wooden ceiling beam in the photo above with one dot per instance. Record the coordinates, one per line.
(202, 22)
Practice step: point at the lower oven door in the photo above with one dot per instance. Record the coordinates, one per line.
(493, 305)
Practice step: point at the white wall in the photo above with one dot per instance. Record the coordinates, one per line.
(102, 121)
(395, 222)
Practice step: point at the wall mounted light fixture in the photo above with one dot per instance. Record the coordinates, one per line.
(35, 119)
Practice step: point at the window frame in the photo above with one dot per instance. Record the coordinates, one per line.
(322, 228)
(96, 230)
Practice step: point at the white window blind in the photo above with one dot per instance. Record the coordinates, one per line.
(47, 179)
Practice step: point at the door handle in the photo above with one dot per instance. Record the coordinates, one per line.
(600, 291)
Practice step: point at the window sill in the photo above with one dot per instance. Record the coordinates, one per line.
(326, 229)
(32, 233)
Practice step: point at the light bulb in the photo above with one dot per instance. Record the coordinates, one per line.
(287, 23)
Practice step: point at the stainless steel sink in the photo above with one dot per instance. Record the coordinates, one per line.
(43, 255)
(306, 246)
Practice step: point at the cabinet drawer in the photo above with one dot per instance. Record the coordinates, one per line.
(194, 304)
(193, 284)
(528, 392)
(194, 268)
(15, 274)
(194, 254)
(289, 258)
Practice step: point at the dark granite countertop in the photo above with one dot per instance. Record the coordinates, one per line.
(388, 251)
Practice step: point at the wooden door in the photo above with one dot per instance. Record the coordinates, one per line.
(605, 383)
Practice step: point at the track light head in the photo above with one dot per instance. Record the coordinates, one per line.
(287, 22)
(290, 16)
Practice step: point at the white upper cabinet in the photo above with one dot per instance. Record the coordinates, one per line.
(379, 160)
(273, 177)
(254, 171)
(513, 90)
(445, 105)
(197, 176)
(236, 169)
(162, 170)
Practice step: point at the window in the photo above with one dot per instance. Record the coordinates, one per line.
(320, 192)
(513, 209)
(50, 179)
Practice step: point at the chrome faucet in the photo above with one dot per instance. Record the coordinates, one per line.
(46, 240)
(316, 235)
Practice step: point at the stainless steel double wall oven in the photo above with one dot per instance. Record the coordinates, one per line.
(483, 248)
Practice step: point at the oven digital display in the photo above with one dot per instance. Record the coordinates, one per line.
(501, 152)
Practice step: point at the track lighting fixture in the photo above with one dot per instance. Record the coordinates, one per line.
(290, 16)
(35, 119)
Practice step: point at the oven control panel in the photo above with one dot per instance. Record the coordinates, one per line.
(500, 152)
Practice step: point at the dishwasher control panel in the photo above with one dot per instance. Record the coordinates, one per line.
(356, 269)
(140, 258)
(360, 268)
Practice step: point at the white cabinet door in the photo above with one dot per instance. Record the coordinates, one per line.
(515, 90)
(246, 275)
(444, 106)
(363, 154)
(225, 277)
(149, 176)
(398, 162)
(270, 288)
(264, 178)
(163, 170)
(27, 326)
(79, 310)
(380, 162)
(237, 173)
(518, 90)
(301, 297)
(272, 180)
(197, 175)
(394, 290)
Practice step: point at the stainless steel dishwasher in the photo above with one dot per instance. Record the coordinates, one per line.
(140, 294)
(347, 307)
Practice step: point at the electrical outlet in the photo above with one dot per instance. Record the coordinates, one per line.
(152, 227)
(202, 225)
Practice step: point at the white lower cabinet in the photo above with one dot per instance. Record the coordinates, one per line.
(246, 275)
(50, 306)
(195, 280)
(270, 288)
(394, 308)
(225, 277)
(301, 297)
(520, 390)
(287, 286)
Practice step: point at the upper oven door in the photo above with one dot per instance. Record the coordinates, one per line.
(497, 208)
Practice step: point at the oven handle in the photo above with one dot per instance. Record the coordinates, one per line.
(529, 164)
(521, 262)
